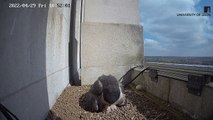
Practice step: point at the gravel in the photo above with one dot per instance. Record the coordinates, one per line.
(70, 106)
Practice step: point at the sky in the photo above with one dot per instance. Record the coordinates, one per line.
(166, 34)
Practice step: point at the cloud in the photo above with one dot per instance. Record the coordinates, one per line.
(151, 43)
(152, 46)
(177, 33)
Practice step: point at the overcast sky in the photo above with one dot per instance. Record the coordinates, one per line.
(166, 34)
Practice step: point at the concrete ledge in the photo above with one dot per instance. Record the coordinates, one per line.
(175, 92)
(180, 71)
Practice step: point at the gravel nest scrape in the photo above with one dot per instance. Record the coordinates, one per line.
(70, 106)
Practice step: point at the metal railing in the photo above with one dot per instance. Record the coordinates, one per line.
(182, 71)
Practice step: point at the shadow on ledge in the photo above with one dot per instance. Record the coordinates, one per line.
(52, 116)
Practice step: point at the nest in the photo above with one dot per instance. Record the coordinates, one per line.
(71, 106)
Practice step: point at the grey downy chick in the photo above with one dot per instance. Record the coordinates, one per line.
(106, 92)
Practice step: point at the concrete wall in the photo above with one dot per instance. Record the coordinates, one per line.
(23, 85)
(57, 49)
(112, 11)
(112, 39)
(33, 57)
(175, 92)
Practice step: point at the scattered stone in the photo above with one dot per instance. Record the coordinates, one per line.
(70, 106)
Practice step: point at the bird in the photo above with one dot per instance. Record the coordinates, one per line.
(106, 93)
